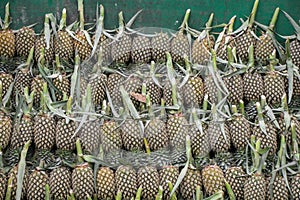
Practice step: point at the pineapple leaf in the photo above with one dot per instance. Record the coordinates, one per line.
(99, 30)
(293, 22)
(128, 103)
(21, 170)
(133, 18)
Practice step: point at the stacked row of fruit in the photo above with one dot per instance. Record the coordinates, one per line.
(149, 113)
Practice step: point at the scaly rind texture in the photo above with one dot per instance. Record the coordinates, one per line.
(65, 138)
(7, 43)
(193, 92)
(179, 47)
(126, 182)
(37, 184)
(106, 184)
(13, 173)
(235, 87)
(189, 184)
(22, 80)
(113, 85)
(253, 86)
(199, 142)
(154, 91)
(89, 135)
(141, 50)
(219, 141)
(278, 188)
(111, 136)
(6, 80)
(44, 131)
(227, 41)
(37, 86)
(105, 44)
(160, 45)
(5, 130)
(2, 184)
(295, 186)
(268, 139)
(264, 48)
(156, 134)
(243, 42)
(201, 50)
(60, 183)
(22, 132)
(240, 131)
(82, 46)
(168, 174)
(274, 88)
(63, 45)
(236, 178)
(132, 135)
(213, 179)
(40, 44)
(121, 49)
(255, 187)
(177, 129)
(211, 89)
(63, 85)
(83, 182)
(148, 179)
(25, 40)
(295, 52)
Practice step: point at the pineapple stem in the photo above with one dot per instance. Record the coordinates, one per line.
(159, 195)
(199, 194)
(205, 105)
(121, 22)
(6, 18)
(173, 197)
(139, 193)
(273, 21)
(251, 56)
(281, 151)
(257, 157)
(187, 64)
(79, 151)
(1, 162)
(163, 111)
(172, 78)
(263, 101)
(209, 22)
(242, 107)
(185, 20)
(259, 111)
(81, 14)
(253, 14)
(9, 188)
(234, 109)
(89, 95)
(231, 23)
(214, 59)
(63, 19)
(148, 151)
(43, 98)
(273, 61)
(58, 65)
(152, 67)
(47, 192)
(287, 48)
(284, 103)
(229, 191)
(69, 106)
(1, 93)
(119, 195)
(29, 58)
(189, 149)
(230, 55)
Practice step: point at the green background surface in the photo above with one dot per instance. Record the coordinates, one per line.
(166, 14)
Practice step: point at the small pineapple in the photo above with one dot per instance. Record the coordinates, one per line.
(189, 183)
(177, 130)
(111, 136)
(160, 44)
(63, 42)
(141, 50)
(168, 174)
(114, 82)
(180, 44)
(236, 178)
(25, 40)
(106, 184)
(5, 124)
(126, 182)
(203, 44)
(132, 135)
(148, 180)
(2, 178)
(213, 179)
(295, 186)
(37, 184)
(6, 80)
(60, 183)
(7, 37)
(121, 48)
(156, 134)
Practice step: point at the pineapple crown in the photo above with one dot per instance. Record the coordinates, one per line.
(228, 28)
(7, 18)
(205, 32)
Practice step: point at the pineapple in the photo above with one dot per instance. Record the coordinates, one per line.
(236, 178)
(295, 44)
(7, 37)
(132, 135)
(45, 45)
(255, 185)
(274, 84)
(240, 128)
(25, 40)
(114, 82)
(82, 44)
(246, 38)
(213, 179)
(264, 47)
(60, 183)
(23, 76)
(13, 174)
(269, 137)
(168, 174)
(253, 81)
(65, 129)
(63, 42)
(193, 90)
(44, 124)
(160, 45)
(121, 48)
(177, 130)
(133, 86)
(225, 41)
(61, 81)
(126, 182)
(203, 44)
(148, 180)
(2, 178)
(233, 82)
(141, 50)
(111, 136)
(82, 177)
(103, 44)
(180, 44)
(23, 129)
(106, 184)
(5, 124)
(37, 184)
(37, 86)
(189, 183)
(6, 80)
(295, 185)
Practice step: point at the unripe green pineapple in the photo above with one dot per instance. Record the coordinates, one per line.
(126, 182)
(60, 183)
(25, 40)
(37, 184)
(177, 130)
(168, 174)
(148, 180)
(83, 181)
(189, 184)
(160, 45)
(180, 44)
(106, 184)
(236, 178)
(141, 50)
(213, 179)
(7, 37)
